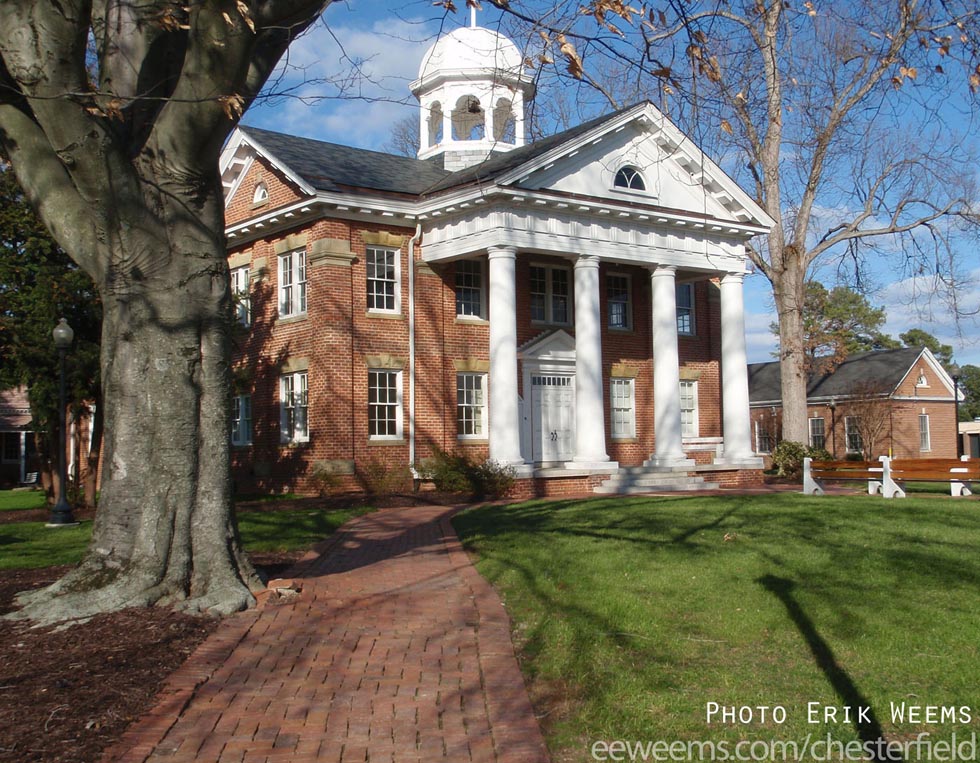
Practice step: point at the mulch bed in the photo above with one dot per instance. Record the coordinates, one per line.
(66, 695)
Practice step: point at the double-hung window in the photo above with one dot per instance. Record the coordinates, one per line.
(622, 407)
(292, 283)
(689, 409)
(384, 404)
(818, 436)
(550, 294)
(852, 434)
(294, 423)
(925, 442)
(383, 280)
(240, 293)
(618, 301)
(685, 308)
(763, 438)
(241, 420)
(469, 289)
(471, 406)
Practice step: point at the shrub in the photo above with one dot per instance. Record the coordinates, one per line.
(454, 473)
(381, 479)
(324, 478)
(788, 457)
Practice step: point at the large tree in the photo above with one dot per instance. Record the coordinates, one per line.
(838, 323)
(849, 121)
(113, 114)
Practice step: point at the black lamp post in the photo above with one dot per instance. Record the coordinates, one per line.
(954, 371)
(61, 515)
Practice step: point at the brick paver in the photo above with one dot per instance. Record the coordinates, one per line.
(396, 650)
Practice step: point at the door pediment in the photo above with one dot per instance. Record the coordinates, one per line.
(553, 347)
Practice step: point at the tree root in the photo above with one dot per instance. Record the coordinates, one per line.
(56, 606)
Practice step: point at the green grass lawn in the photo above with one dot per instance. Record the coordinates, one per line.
(633, 614)
(31, 544)
(12, 500)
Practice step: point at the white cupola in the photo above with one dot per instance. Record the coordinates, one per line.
(471, 90)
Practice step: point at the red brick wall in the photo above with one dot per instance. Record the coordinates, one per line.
(282, 192)
(338, 334)
(900, 437)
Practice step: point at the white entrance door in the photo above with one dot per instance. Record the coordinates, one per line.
(553, 417)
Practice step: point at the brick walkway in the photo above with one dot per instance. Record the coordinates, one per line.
(396, 650)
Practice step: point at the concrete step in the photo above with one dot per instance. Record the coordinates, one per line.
(606, 489)
(652, 482)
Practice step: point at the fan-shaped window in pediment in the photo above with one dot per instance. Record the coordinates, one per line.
(629, 177)
(261, 194)
(468, 119)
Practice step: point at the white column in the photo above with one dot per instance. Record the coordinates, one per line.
(734, 372)
(590, 428)
(666, 371)
(505, 425)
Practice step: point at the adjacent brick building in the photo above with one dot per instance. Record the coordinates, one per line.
(902, 399)
(567, 307)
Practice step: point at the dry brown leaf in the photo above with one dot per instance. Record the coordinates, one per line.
(246, 14)
(233, 105)
(726, 126)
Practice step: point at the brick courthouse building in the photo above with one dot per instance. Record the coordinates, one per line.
(567, 307)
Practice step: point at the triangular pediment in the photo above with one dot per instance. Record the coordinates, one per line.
(245, 161)
(555, 345)
(676, 175)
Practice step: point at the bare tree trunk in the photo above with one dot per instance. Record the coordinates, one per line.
(165, 531)
(789, 291)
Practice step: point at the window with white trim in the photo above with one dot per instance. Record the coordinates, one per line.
(383, 280)
(852, 434)
(294, 423)
(471, 406)
(763, 438)
(689, 409)
(292, 283)
(384, 404)
(618, 303)
(684, 293)
(240, 294)
(241, 420)
(818, 434)
(261, 193)
(469, 289)
(551, 294)
(925, 442)
(622, 408)
(629, 178)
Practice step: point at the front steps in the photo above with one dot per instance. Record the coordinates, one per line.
(653, 479)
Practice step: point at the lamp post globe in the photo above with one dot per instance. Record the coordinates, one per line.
(61, 513)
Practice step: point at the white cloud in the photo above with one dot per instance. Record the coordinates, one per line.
(921, 302)
(347, 83)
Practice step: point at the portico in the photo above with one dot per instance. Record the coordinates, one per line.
(562, 415)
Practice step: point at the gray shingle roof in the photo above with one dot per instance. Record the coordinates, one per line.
(886, 368)
(333, 167)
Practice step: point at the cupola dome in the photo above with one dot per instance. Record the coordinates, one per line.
(471, 89)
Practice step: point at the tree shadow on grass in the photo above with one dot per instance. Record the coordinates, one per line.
(866, 724)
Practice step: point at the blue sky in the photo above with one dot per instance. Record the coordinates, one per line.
(384, 44)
